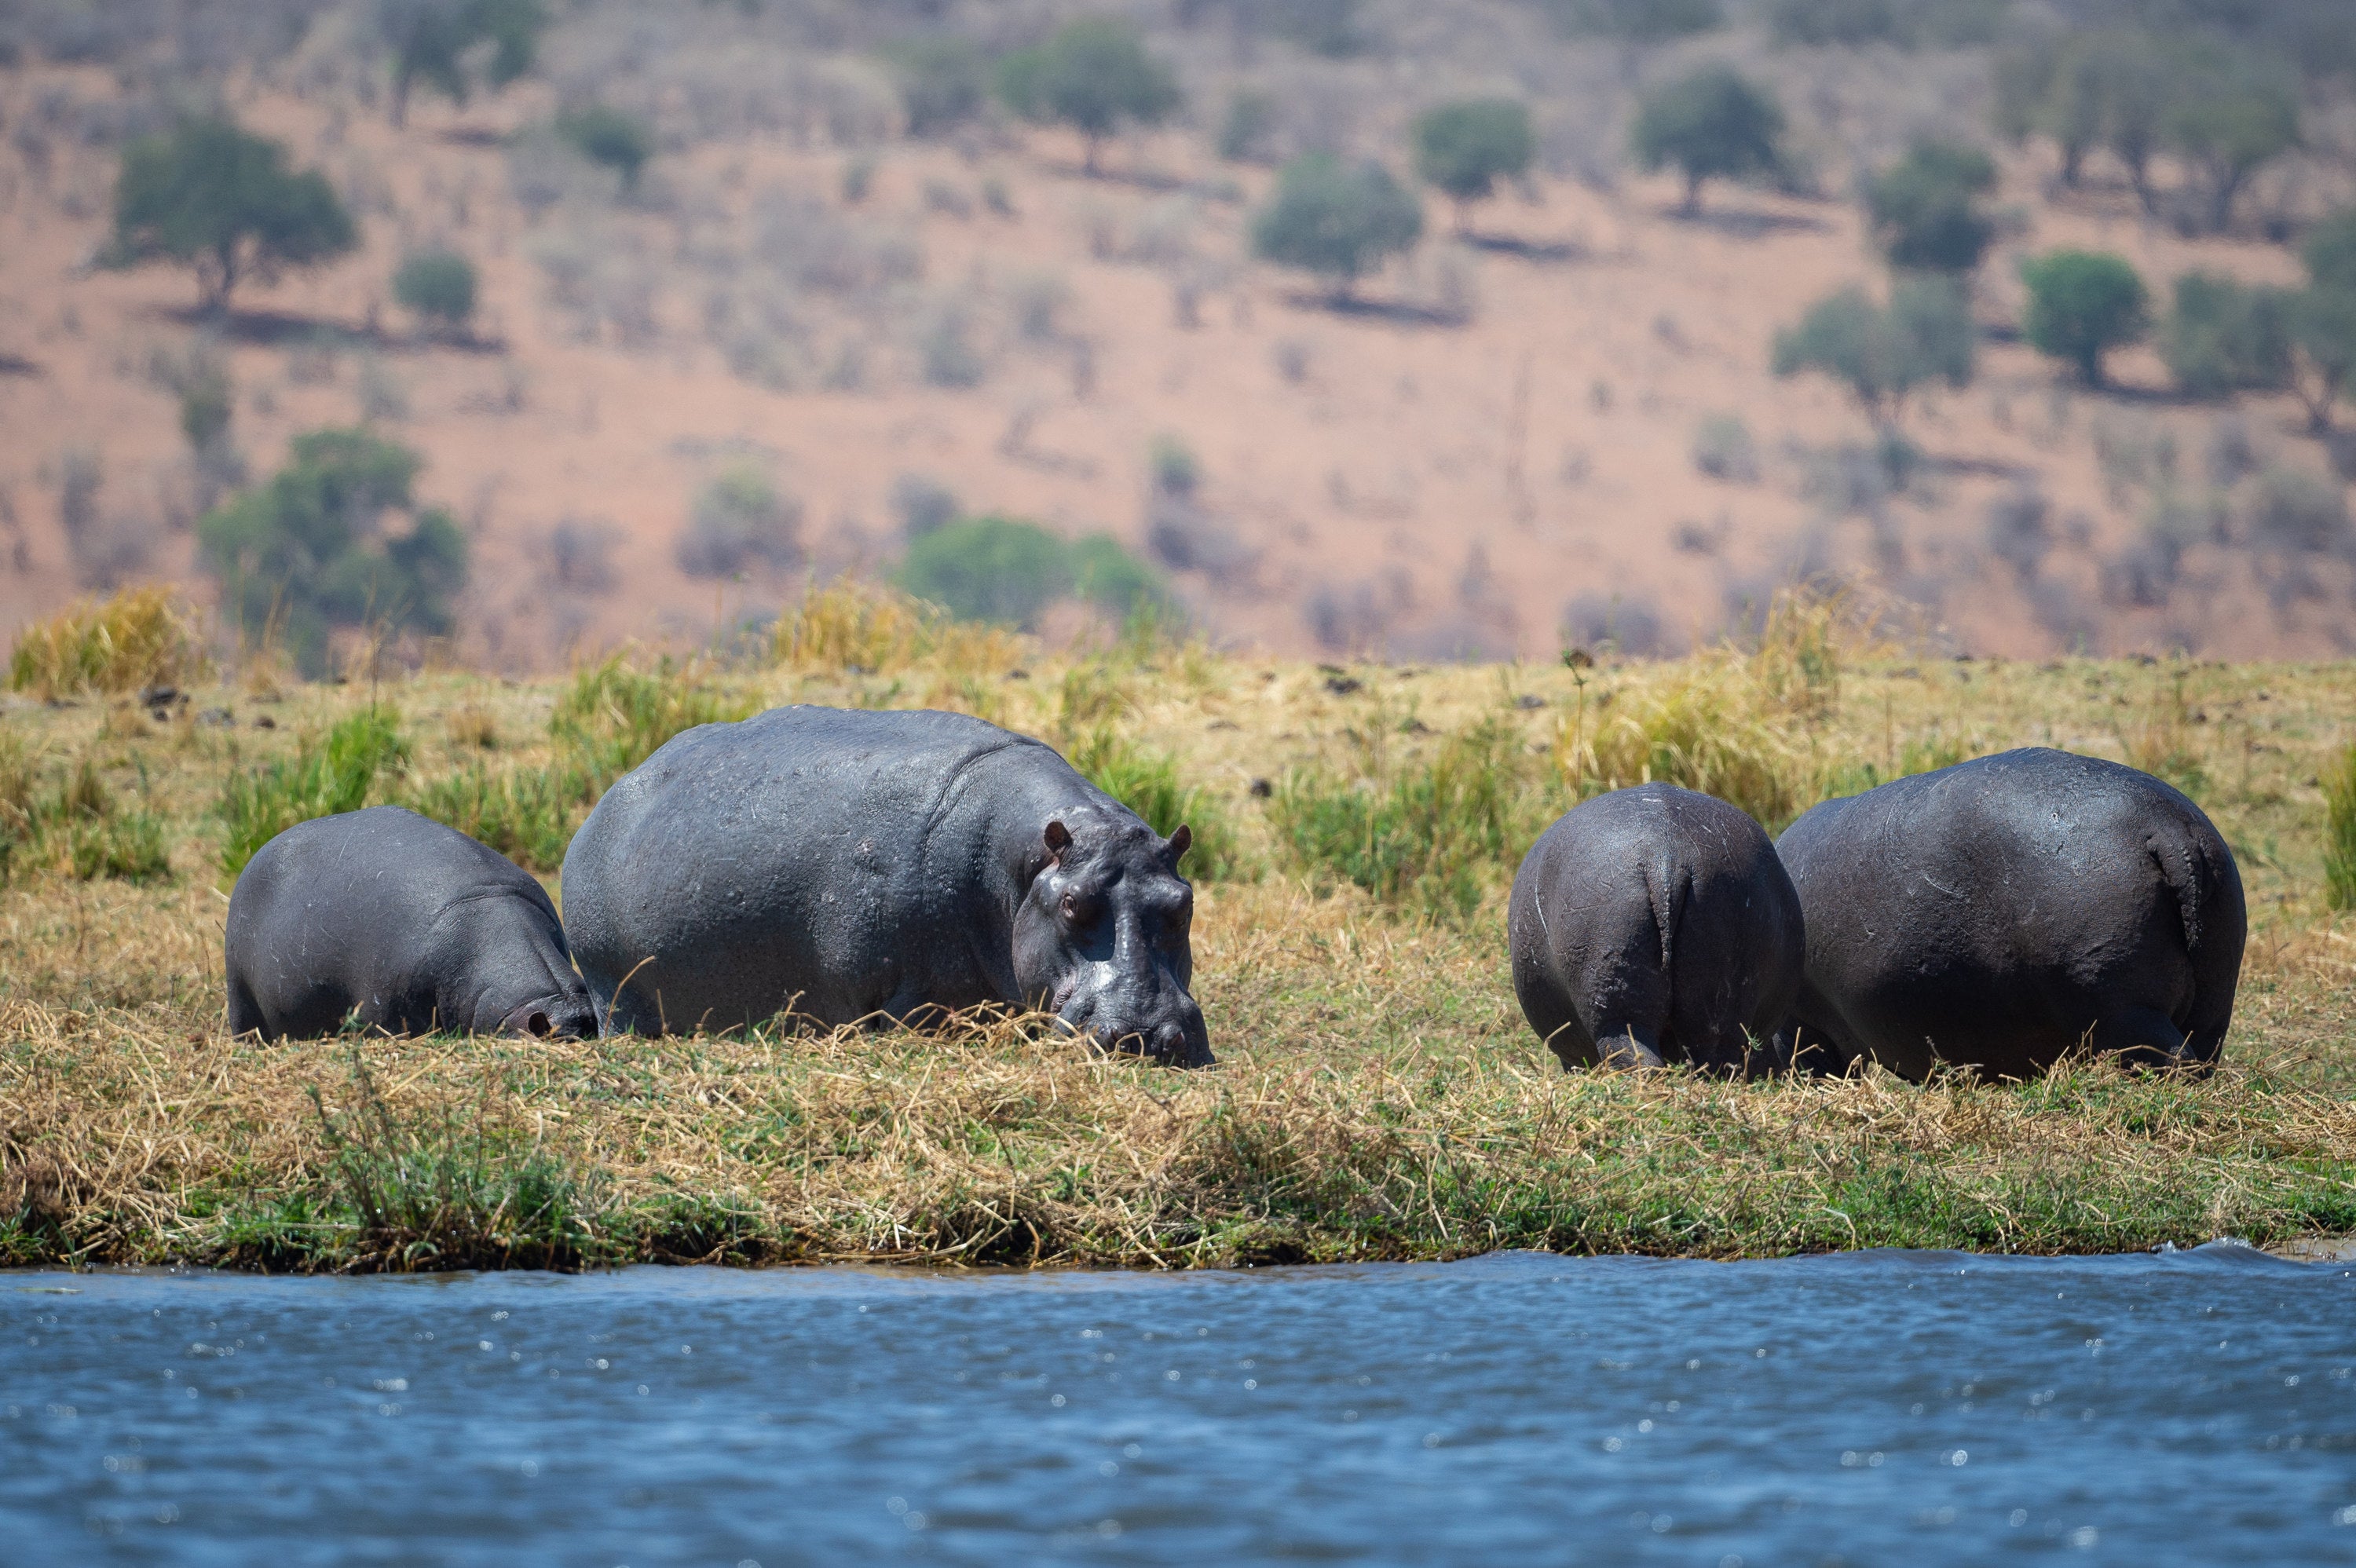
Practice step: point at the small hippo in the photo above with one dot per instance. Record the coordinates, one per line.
(879, 867)
(400, 924)
(2001, 913)
(1652, 925)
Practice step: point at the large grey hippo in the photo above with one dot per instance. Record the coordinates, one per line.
(399, 925)
(1655, 925)
(1999, 913)
(861, 866)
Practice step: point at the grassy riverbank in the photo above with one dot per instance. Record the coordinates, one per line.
(1378, 1095)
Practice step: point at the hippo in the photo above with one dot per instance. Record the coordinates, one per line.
(386, 919)
(1999, 915)
(878, 868)
(1654, 926)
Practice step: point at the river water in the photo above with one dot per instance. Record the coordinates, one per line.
(1870, 1408)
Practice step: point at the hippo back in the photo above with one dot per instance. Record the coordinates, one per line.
(840, 862)
(1999, 913)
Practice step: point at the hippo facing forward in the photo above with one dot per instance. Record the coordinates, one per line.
(400, 924)
(863, 865)
(1652, 925)
(1997, 914)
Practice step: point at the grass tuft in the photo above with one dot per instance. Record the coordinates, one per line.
(2340, 832)
(332, 774)
(137, 638)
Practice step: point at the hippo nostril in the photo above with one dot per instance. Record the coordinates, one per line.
(538, 1023)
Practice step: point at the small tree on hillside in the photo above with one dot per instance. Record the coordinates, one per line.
(310, 550)
(209, 197)
(1093, 75)
(437, 287)
(2323, 337)
(1464, 149)
(1883, 354)
(2224, 337)
(445, 43)
(2082, 305)
(1713, 123)
(2330, 252)
(943, 79)
(990, 568)
(1337, 220)
(1925, 207)
(2228, 122)
(609, 137)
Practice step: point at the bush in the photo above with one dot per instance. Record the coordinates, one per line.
(1434, 836)
(2323, 331)
(1924, 207)
(1882, 354)
(741, 519)
(1714, 122)
(309, 552)
(2340, 832)
(943, 81)
(2082, 305)
(211, 197)
(1464, 149)
(1705, 728)
(1093, 75)
(139, 637)
(609, 137)
(445, 44)
(1105, 574)
(923, 504)
(324, 778)
(2293, 510)
(2224, 337)
(1147, 783)
(1336, 220)
(438, 287)
(2329, 252)
(615, 714)
(1723, 449)
(990, 568)
(1244, 133)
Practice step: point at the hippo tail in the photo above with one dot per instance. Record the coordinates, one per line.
(1666, 885)
(2199, 872)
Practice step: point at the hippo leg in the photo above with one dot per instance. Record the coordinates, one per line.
(1622, 1044)
(2141, 1036)
(244, 1012)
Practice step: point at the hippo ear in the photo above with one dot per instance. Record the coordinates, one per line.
(1179, 842)
(1059, 838)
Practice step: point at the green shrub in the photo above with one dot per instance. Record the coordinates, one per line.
(1337, 220)
(741, 519)
(615, 713)
(2330, 252)
(2224, 337)
(1925, 207)
(1093, 75)
(2323, 330)
(2227, 118)
(438, 287)
(1243, 133)
(447, 43)
(609, 137)
(1147, 783)
(1882, 354)
(1435, 835)
(529, 814)
(209, 197)
(2082, 305)
(310, 551)
(126, 846)
(1107, 576)
(1714, 122)
(989, 568)
(943, 81)
(326, 776)
(2340, 833)
(1464, 149)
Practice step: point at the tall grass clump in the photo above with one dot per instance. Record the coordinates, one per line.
(326, 776)
(138, 637)
(439, 1191)
(857, 628)
(1708, 725)
(2340, 832)
(1147, 782)
(1430, 835)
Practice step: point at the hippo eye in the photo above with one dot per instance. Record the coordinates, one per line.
(1079, 910)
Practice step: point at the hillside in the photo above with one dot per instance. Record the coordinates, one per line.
(1492, 455)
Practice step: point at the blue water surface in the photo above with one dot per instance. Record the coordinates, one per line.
(1870, 1408)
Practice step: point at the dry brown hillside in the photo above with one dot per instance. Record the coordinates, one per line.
(1490, 456)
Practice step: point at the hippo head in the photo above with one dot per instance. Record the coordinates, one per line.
(521, 973)
(1102, 939)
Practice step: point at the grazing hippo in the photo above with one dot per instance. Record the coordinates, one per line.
(864, 865)
(401, 923)
(1998, 914)
(1652, 925)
